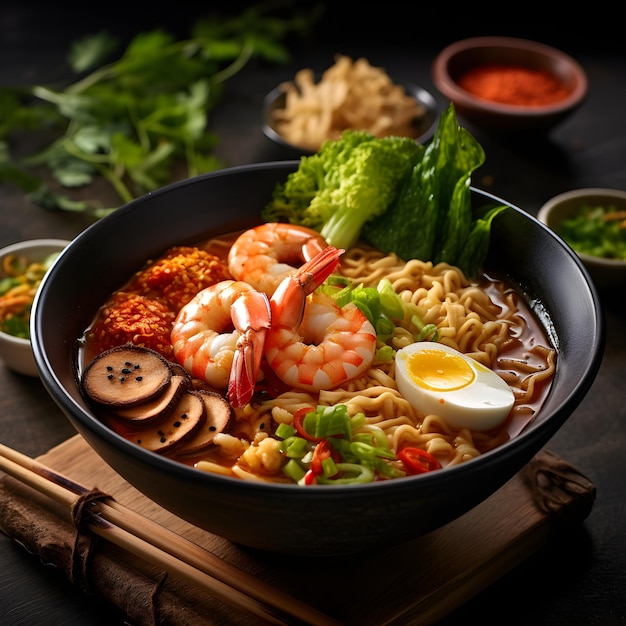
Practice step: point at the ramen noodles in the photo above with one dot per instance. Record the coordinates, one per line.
(486, 320)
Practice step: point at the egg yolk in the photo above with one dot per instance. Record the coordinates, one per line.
(439, 371)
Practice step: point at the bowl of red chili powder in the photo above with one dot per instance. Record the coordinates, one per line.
(509, 84)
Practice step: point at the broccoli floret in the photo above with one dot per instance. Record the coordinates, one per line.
(348, 182)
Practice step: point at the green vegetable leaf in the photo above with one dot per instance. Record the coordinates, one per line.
(477, 242)
(48, 199)
(409, 226)
(432, 217)
(66, 165)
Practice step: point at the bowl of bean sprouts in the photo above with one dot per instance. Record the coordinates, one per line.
(232, 480)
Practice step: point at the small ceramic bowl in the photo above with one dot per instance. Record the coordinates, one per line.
(606, 273)
(16, 352)
(424, 128)
(562, 80)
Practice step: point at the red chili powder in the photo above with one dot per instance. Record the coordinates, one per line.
(510, 84)
(178, 276)
(130, 317)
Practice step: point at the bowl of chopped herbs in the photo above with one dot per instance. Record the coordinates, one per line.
(22, 266)
(592, 221)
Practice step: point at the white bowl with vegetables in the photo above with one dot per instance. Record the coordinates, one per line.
(592, 221)
(22, 266)
(321, 460)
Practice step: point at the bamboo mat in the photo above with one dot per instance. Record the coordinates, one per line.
(464, 557)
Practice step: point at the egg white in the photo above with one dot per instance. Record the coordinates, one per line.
(462, 391)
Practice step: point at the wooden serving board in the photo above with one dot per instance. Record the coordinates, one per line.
(456, 562)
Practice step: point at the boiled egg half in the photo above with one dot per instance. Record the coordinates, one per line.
(436, 379)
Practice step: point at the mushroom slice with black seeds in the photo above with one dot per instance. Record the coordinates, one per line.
(218, 416)
(159, 407)
(126, 376)
(182, 423)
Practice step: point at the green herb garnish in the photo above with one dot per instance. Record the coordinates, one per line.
(326, 446)
(384, 309)
(137, 120)
(597, 231)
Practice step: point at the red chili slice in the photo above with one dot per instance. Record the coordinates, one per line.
(298, 423)
(323, 450)
(418, 461)
(310, 478)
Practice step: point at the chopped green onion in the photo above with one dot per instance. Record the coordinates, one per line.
(384, 327)
(328, 421)
(294, 447)
(368, 452)
(351, 473)
(342, 296)
(390, 301)
(429, 331)
(361, 450)
(387, 469)
(329, 467)
(283, 431)
(294, 470)
(358, 420)
(374, 434)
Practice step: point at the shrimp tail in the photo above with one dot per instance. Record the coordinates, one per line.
(314, 272)
(250, 314)
(289, 299)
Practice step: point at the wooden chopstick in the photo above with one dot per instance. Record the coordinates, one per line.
(164, 548)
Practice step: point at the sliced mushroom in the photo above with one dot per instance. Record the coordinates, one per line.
(181, 424)
(158, 408)
(126, 376)
(218, 416)
(179, 370)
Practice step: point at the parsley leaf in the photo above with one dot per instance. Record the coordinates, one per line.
(134, 121)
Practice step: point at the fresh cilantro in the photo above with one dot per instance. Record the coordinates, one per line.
(136, 120)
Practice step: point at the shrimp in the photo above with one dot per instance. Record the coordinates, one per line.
(263, 256)
(207, 349)
(313, 344)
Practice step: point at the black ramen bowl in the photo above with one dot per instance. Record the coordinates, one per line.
(286, 518)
